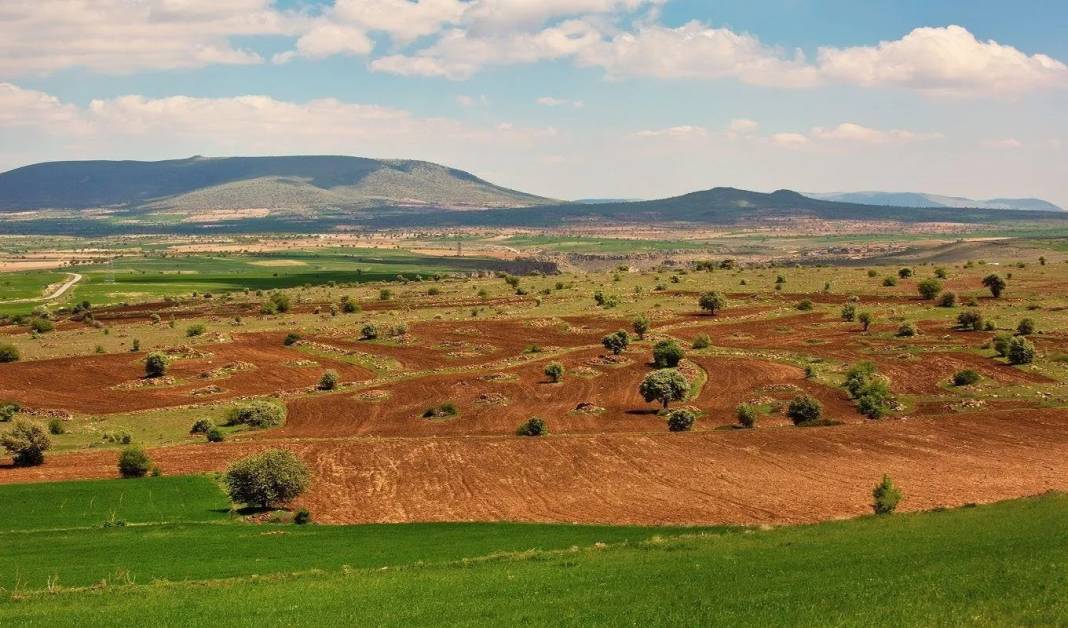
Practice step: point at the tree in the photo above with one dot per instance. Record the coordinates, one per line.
(26, 442)
(1021, 351)
(680, 420)
(281, 302)
(866, 319)
(616, 342)
(257, 413)
(747, 415)
(667, 354)
(849, 312)
(929, 288)
(970, 321)
(904, 273)
(949, 299)
(641, 326)
(664, 386)
(554, 371)
(885, 497)
(804, 410)
(712, 301)
(156, 364)
(329, 380)
(995, 283)
(134, 462)
(9, 353)
(534, 426)
(274, 477)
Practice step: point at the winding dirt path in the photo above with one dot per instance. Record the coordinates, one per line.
(55, 294)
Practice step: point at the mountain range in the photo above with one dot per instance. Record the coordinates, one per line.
(920, 199)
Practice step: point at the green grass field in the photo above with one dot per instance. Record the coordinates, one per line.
(1003, 564)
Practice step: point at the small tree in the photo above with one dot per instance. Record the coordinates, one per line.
(711, 302)
(202, 426)
(1021, 351)
(664, 386)
(616, 342)
(257, 413)
(865, 319)
(554, 371)
(747, 415)
(970, 321)
(26, 442)
(534, 426)
(134, 462)
(966, 378)
(1026, 327)
(274, 477)
(680, 420)
(995, 284)
(641, 326)
(195, 329)
(940, 273)
(328, 381)
(369, 332)
(156, 364)
(9, 353)
(667, 354)
(904, 273)
(949, 299)
(885, 497)
(804, 410)
(701, 341)
(929, 288)
(849, 312)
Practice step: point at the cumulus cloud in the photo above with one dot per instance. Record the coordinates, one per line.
(550, 101)
(676, 132)
(789, 139)
(851, 132)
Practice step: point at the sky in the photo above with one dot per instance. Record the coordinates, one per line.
(563, 98)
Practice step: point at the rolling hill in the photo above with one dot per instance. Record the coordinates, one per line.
(295, 183)
(919, 199)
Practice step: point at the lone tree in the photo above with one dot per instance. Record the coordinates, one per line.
(616, 342)
(712, 301)
(667, 354)
(804, 410)
(268, 479)
(866, 319)
(665, 386)
(26, 442)
(534, 426)
(929, 288)
(904, 273)
(156, 365)
(995, 283)
(554, 371)
(885, 497)
(641, 326)
(329, 380)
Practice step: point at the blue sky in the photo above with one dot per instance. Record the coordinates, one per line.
(567, 98)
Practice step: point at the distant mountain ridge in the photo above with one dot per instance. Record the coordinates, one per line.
(919, 199)
(296, 182)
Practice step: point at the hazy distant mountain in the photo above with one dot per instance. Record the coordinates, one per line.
(299, 183)
(917, 199)
(602, 201)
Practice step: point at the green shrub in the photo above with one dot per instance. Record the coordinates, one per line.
(446, 409)
(747, 415)
(156, 364)
(257, 413)
(369, 332)
(865, 319)
(1026, 327)
(554, 371)
(904, 273)
(215, 435)
(328, 381)
(680, 420)
(701, 341)
(667, 354)
(616, 342)
(291, 339)
(134, 462)
(966, 378)
(907, 330)
(8, 410)
(271, 478)
(349, 306)
(712, 302)
(9, 353)
(849, 312)
(641, 326)
(804, 410)
(664, 386)
(26, 442)
(885, 497)
(385, 294)
(970, 321)
(281, 302)
(949, 299)
(202, 426)
(805, 305)
(1021, 351)
(303, 517)
(195, 329)
(929, 288)
(995, 284)
(56, 427)
(41, 325)
(889, 282)
(534, 426)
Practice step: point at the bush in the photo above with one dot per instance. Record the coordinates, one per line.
(56, 427)
(554, 371)
(215, 435)
(8, 410)
(1001, 344)
(805, 305)
(664, 386)
(271, 478)
(995, 284)
(41, 325)
(966, 378)
(889, 282)
(616, 342)
(885, 497)
(804, 410)
(865, 319)
(385, 294)
(292, 338)
(849, 312)
(26, 442)
(970, 321)
(280, 302)
(667, 354)
(369, 332)
(257, 413)
(1026, 327)
(328, 381)
(9, 353)
(156, 365)
(711, 302)
(1021, 351)
(195, 330)
(680, 420)
(641, 326)
(349, 306)
(446, 409)
(303, 517)
(134, 462)
(904, 273)
(929, 288)
(747, 415)
(701, 341)
(907, 330)
(534, 426)
(949, 299)
(202, 426)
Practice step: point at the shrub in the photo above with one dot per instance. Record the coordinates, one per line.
(328, 381)
(940, 273)
(929, 288)
(641, 326)
(805, 305)
(907, 330)
(664, 386)
(369, 332)
(885, 497)
(446, 409)
(215, 435)
(56, 427)
(9, 353)
(195, 330)
(966, 378)
(667, 354)
(711, 302)
(26, 442)
(949, 299)
(349, 306)
(995, 284)
(41, 325)
(701, 341)
(554, 371)
(747, 415)
(617, 342)
(1026, 327)
(303, 517)
(291, 339)
(134, 462)
(534, 426)
(271, 478)
(680, 420)
(804, 410)
(1021, 351)
(202, 426)
(865, 319)
(849, 312)
(970, 321)
(281, 302)
(904, 273)
(257, 413)
(889, 282)
(156, 364)
(8, 410)
(385, 294)
(1001, 344)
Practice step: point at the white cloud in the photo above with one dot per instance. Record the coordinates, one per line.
(401, 19)
(675, 132)
(549, 101)
(470, 101)
(743, 126)
(1010, 143)
(789, 139)
(326, 39)
(851, 132)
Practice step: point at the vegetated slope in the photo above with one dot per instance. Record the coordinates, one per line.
(296, 182)
(919, 199)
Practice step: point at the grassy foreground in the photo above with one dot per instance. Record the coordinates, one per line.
(1004, 564)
